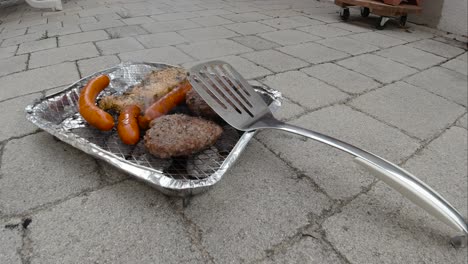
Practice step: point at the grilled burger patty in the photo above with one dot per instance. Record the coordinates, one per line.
(180, 135)
(198, 106)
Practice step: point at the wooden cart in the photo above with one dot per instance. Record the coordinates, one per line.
(377, 7)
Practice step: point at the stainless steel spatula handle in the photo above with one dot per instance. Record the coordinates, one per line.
(231, 96)
(399, 179)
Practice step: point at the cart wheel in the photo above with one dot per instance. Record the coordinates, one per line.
(344, 13)
(365, 11)
(403, 20)
(381, 23)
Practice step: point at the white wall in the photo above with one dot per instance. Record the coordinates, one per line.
(454, 17)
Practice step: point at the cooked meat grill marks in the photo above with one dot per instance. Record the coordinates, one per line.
(152, 87)
(180, 135)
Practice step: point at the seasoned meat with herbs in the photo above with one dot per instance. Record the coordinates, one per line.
(154, 86)
(180, 135)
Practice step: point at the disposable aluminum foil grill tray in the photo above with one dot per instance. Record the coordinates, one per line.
(58, 115)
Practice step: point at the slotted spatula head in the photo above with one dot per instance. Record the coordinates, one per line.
(228, 93)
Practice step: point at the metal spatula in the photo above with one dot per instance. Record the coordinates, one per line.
(231, 96)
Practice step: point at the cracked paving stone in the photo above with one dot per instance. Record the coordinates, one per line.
(307, 251)
(38, 79)
(344, 79)
(383, 227)
(333, 170)
(14, 124)
(409, 108)
(46, 172)
(444, 82)
(257, 204)
(377, 67)
(305, 90)
(125, 223)
(463, 122)
(11, 242)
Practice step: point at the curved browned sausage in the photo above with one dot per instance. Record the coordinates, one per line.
(128, 129)
(94, 115)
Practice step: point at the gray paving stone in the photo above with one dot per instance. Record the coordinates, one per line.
(114, 46)
(11, 241)
(288, 110)
(30, 22)
(274, 60)
(56, 171)
(250, 210)
(37, 80)
(137, 20)
(33, 46)
(325, 31)
(457, 65)
(22, 39)
(42, 28)
(58, 55)
(255, 42)
(174, 16)
(281, 13)
(169, 26)
(411, 56)
(73, 19)
(7, 51)
(125, 31)
(326, 18)
(409, 108)
(13, 64)
(384, 217)
(99, 10)
(314, 53)
(249, 28)
(444, 82)
(290, 22)
(332, 170)
(210, 21)
(308, 250)
(288, 37)
(437, 48)
(213, 48)
(377, 39)
(356, 28)
(344, 79)
(90, 66)
(101, 25)
(142, 11)
(307, 91)
(168, 55)
(108, 16)
(348, 45)
(14, 121)
(407, 35)
(213, 12)
(463, 121)
(12, 33)
(246, 17)
(208, 33)
(65, 30)
(82, 37)
(161, 39)
(381, 69)
(247, 69)
(463, 57)
(127, 223)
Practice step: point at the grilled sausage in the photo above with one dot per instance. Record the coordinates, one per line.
(165, 104)
(127, 128)
(95, 116)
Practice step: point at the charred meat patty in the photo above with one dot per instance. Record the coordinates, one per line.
(180, 135)
(198, 106)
